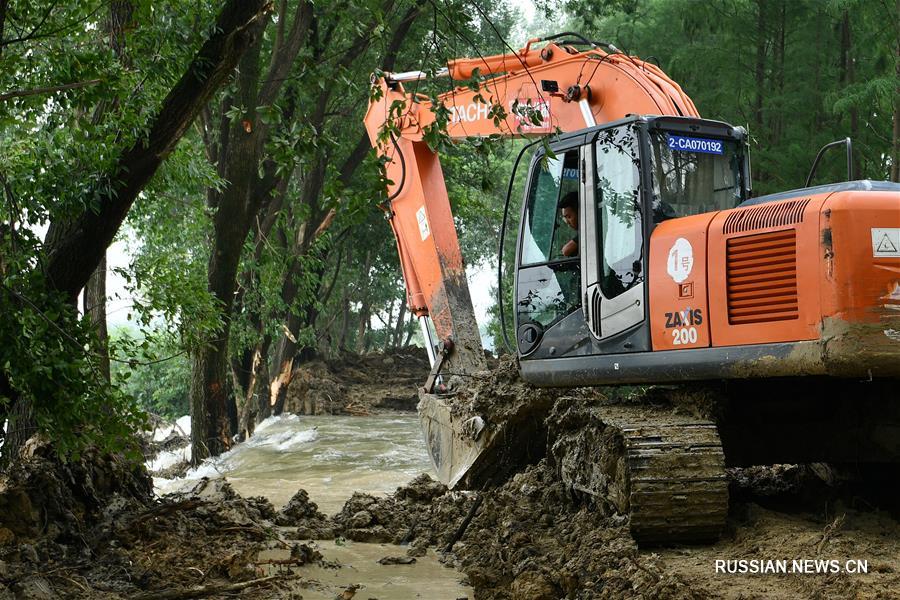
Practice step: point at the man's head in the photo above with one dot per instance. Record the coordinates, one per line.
(569, 208)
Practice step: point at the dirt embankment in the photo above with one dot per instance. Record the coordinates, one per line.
(358, 385)
(91, 529)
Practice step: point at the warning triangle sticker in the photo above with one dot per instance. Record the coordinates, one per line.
(885, 245)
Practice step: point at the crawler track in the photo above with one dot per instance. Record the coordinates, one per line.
(667, 471)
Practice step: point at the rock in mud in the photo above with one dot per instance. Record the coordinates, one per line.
(303, 554)
(396, 560)
(302, 513)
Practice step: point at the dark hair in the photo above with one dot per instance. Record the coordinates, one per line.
(570, 200)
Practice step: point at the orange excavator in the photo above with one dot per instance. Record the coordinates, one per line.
(642, 258)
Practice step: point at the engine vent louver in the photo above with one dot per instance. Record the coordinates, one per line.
(773, 214)
(761, 271)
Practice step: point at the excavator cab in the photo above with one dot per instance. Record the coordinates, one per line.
(629, 176)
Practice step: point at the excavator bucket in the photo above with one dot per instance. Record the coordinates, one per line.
(455, 442)
(487, 429)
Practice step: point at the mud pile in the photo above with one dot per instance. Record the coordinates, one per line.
(358, 385)
(531, 540)
(41, 495)
(421, 514)
(304, 514)
(90, 528)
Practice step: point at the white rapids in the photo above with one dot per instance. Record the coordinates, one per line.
(330, 457)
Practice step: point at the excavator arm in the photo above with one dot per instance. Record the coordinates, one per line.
(533, 92)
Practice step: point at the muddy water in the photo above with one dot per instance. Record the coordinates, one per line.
(330, 457)
(426, 578)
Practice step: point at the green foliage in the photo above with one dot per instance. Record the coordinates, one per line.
(166, 234)
(71, 104)
(44, 359)
(160, 382)
(786, 69)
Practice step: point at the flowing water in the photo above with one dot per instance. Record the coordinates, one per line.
(332, 457)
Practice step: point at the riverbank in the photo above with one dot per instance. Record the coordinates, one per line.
(308, 508)
(93, 530)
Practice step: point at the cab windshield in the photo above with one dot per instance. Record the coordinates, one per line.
(693, 174)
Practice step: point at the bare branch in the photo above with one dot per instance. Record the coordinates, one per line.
(47, 90)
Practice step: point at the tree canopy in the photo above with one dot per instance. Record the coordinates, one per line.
(223, 142)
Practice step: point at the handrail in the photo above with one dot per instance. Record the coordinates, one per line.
(849, 145)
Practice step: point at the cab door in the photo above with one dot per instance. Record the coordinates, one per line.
(548, 280)
(612, 228)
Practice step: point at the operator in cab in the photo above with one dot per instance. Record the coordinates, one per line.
(568, 207)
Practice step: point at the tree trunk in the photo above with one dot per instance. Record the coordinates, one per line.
(778, 116)
(254, 386)
(760, 74)
(388, 326)
(3, 6)
(237, 206)
(847, 79)
(345, 322)
(411, 330)
(251, 359)
(286, 351)
(209, 426)
(264, 395)
(364, 311)
(895, 161)
(95, 309)
(20, 427)
(401, 323)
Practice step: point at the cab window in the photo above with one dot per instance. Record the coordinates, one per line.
(617, 194)
(549, 282)
(545, 232)
(694, 175)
